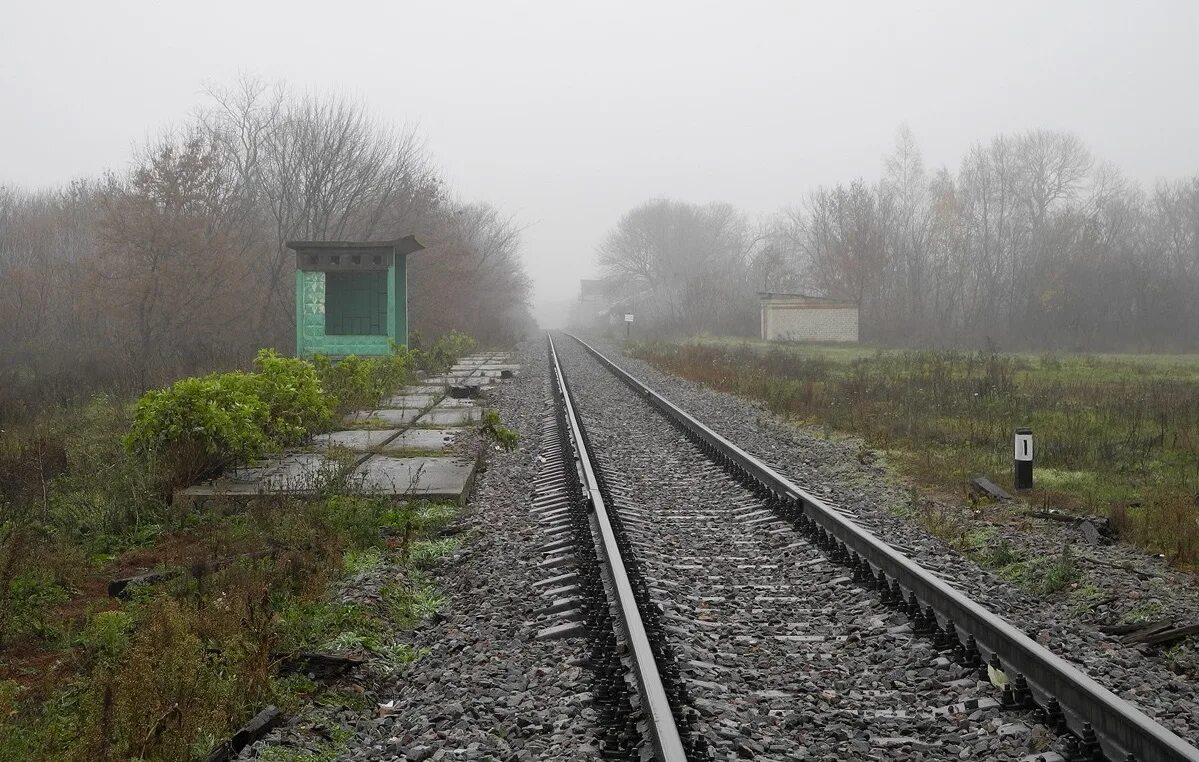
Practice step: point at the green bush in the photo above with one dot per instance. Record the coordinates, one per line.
(293, 392)
(444, 353)
(356, 383)
(197, 426)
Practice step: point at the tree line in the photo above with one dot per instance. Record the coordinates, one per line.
(1031, 244)
(178, 265)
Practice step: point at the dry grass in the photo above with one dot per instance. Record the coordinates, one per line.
(1114, 436)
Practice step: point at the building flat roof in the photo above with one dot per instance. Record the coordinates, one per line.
(825, 299)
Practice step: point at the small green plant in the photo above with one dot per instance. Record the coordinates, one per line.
(493, 428)
(107, 634)
(412, 600)
(1060, 572)
(1001, 554)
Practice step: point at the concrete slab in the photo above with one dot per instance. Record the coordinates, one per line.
(411, 400)
(452, 402)
(298, 472)
(358, 440)
(390, 416)
(423, 439)
(431, 478)
(293, 472)
(463, 416)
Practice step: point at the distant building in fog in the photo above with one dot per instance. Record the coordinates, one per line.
(799, 317)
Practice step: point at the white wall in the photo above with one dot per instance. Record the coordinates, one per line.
(791, 323)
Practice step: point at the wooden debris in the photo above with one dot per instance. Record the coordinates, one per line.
(1157, 633)
(253, 730)
(1052, 515)
(1126, 628)
(120, 588)
(319, 666)
(984, 485)
(1167, 636)
(1122, 567)
(465, 391)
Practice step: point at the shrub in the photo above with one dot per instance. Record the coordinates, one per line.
(197, 426)
(293, 392)
(444, 353)
(356, 383)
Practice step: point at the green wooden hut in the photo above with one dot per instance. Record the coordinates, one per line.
(351, 296)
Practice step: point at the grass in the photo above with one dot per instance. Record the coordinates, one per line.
(1116, 435)
(179, 665)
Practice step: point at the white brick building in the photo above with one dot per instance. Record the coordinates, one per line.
(798, 317)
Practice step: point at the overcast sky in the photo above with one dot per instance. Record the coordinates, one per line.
(568, 113)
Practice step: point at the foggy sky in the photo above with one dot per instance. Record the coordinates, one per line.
(568, 113)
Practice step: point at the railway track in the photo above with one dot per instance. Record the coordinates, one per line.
(730, 614)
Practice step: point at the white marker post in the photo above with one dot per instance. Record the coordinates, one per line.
(1023, 459)
(628, 323)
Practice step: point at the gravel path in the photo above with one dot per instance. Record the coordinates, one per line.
(833, 470)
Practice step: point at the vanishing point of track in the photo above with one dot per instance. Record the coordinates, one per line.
(697, 597)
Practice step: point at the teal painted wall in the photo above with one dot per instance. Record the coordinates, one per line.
(351, 313)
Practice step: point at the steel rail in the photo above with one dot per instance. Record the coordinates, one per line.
(668, 745)
(1123, 731)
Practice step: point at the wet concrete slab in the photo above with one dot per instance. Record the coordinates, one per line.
(430, 478)
(424, 439)
(463, 416)
(411, 400)
(358, 440)
(387, 415)
(452, 402)
(298, 472)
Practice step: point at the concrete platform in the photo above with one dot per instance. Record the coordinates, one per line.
(430, 478)
(390, 416)
(357, 440)
(300, 472)
(461, 416)
(410, 400)
(424, 439)
(451, 402)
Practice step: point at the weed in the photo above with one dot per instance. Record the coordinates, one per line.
(1058, 573)
(493, 429)
(357, 561)
(424, 553)
(412, 600)
(1149, 610)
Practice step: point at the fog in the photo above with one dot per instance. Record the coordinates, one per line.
(568, 114)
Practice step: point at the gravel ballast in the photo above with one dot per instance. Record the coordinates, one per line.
(783, 656)
(833, 470)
